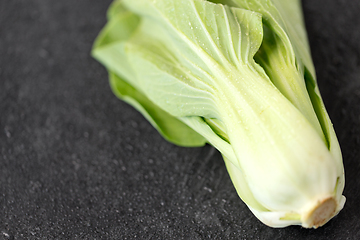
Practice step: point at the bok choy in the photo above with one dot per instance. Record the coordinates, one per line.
(236, 74)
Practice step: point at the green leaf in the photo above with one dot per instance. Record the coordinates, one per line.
(181, 45)
(170, 127)
(108, 49)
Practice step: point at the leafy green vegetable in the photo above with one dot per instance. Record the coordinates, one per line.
(236, 74)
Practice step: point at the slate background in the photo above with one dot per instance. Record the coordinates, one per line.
(77, 163)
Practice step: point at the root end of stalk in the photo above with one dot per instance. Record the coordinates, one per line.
(323, 211)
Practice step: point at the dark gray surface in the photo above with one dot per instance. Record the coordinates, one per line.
(76, 163)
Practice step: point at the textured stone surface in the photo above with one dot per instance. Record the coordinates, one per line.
(76, 163)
